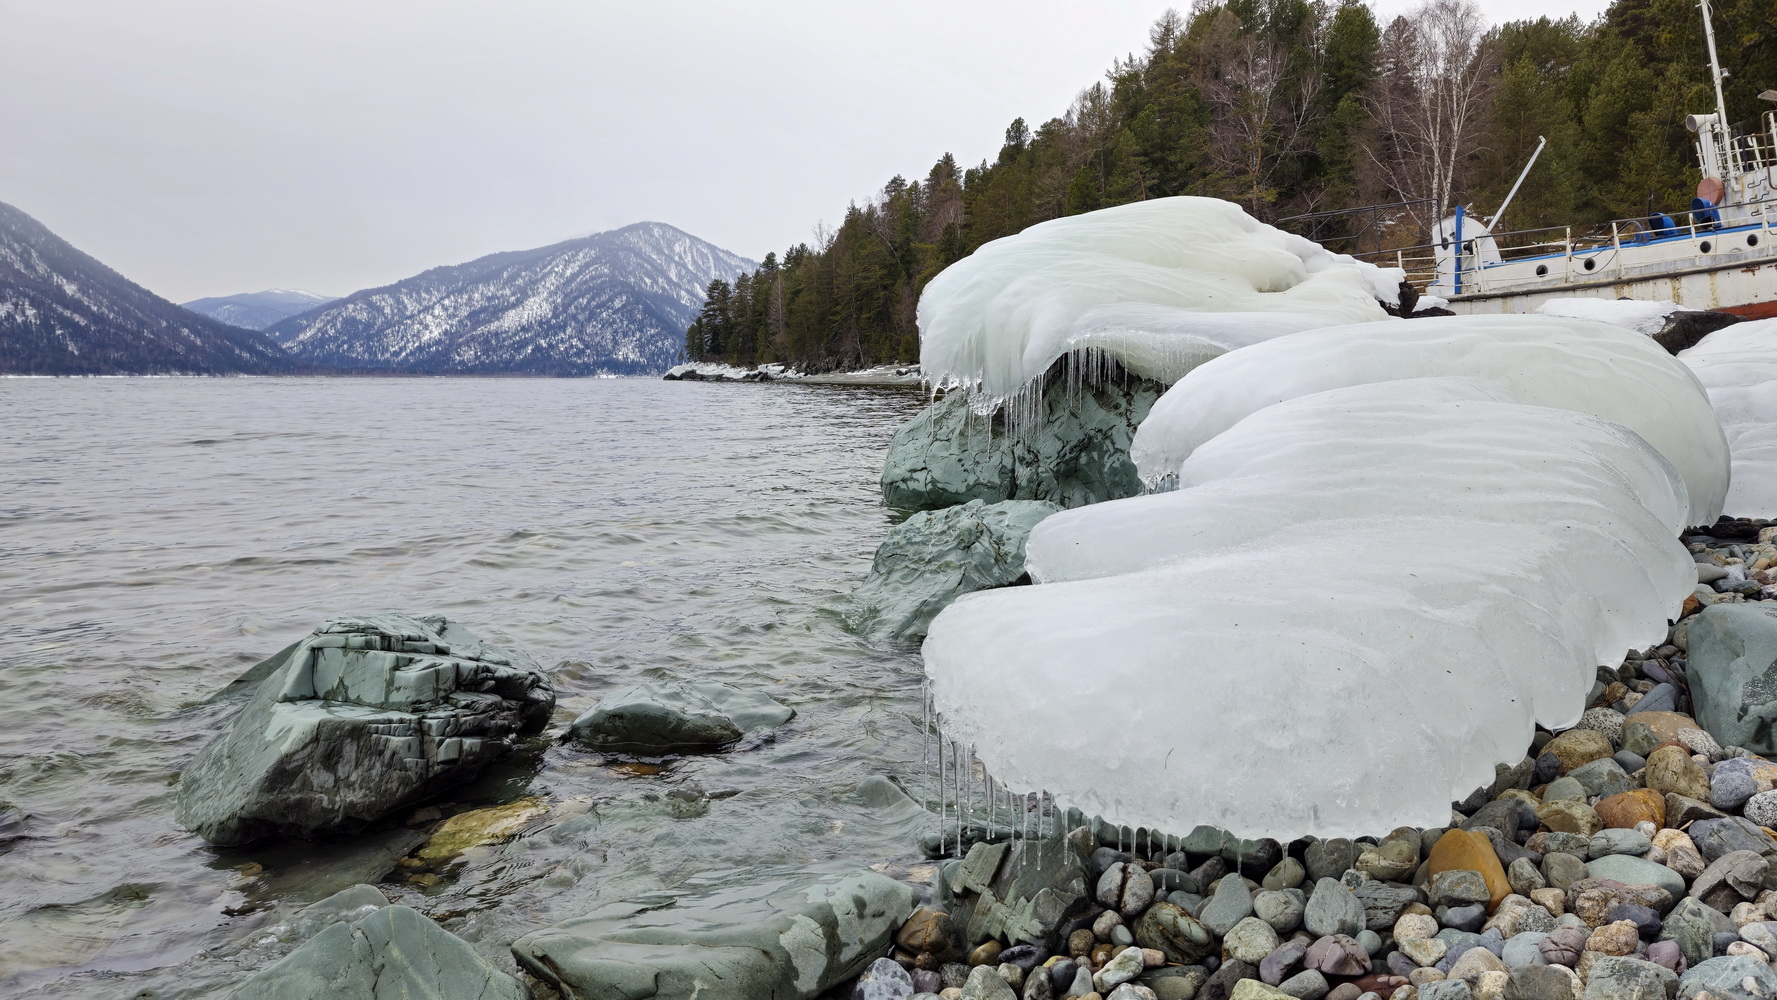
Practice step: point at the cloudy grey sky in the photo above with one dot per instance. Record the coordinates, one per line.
(204, 147)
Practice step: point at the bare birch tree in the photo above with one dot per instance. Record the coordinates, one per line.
(1431, 102)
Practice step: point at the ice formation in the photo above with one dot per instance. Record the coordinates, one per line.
(1161, 285)
(1642, 316)
(1572, 364)
(1738, 367)
(1394, 548)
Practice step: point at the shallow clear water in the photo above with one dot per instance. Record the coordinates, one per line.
(159, 536)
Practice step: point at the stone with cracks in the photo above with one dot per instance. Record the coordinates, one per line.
(394, 953)
(794, 938)
(364, 716)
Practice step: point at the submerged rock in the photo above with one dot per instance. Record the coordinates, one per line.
(394, 953)
(668, 718)
(480, 826)
(935, 557)
(364, 716)
(785, 939)
(1074, 452)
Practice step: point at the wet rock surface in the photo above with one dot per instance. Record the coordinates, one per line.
(934, 557)
(364, 716)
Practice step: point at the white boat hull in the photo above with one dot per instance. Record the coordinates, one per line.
(1747, 288)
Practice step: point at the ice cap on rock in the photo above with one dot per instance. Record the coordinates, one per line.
(1161, 285)
(1374, 691)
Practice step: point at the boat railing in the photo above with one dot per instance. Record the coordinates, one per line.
(1580, 255)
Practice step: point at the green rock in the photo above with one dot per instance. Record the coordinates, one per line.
(394, 953)
(1169, 929)
(1631, 870)
(366, 715)
(669, 718)
(791, 938)
(934, 557)
(1076, 453)
(1733, 674)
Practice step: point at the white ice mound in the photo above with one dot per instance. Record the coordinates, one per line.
(1357, 603)
(1572, 364)
(1738, 367)
(1642, 316)
(1160, 285)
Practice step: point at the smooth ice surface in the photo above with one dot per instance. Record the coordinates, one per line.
(1738, 367)
(1579, 365)
(1162, 286)
(1357, 603)
(1394, 548)
(1642, 316)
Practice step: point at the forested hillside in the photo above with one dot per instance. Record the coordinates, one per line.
(1289, 107)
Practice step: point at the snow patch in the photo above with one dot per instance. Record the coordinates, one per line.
(1642, 316)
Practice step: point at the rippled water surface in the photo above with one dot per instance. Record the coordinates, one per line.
(159, 536)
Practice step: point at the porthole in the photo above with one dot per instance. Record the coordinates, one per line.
(1705, 246)
(1752, 241)
(1542, 270)
(1590, 263)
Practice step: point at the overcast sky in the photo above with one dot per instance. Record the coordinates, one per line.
(204, 147)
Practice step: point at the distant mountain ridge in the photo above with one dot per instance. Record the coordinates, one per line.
(614, 303)
(258, 310)
(64, 313)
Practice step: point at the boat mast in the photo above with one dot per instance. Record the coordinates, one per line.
(1715, 73)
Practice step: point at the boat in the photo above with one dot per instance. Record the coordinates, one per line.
(1721, 254)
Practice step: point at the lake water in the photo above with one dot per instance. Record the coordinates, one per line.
(159, 536)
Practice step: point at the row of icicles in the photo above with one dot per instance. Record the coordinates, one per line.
(971, 805)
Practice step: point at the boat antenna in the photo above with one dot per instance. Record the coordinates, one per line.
(1715, 71)
(1493, 223)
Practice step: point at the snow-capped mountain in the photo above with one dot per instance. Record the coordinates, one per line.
(64, 313)
(614, 303)
(258, 310)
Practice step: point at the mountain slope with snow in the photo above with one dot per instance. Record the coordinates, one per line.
(258, 310)
(616, 302)
(64, 313)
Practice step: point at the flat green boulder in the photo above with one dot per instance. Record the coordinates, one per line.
(934, 557)
(785, 940)
(394, 953)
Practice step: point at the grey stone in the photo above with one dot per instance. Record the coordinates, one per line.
(791, 938)
(363, 717)
(1618, 841)
(1622, 978)
(1040, 883)
(984, 983)
(1729, 788)
(1459, 887)
(1281, 908)
(883, 980)
(934, 557)
(1539, 982)
(1128, 889)
(393, 953)
(1286, 874)
(1232, 903)
(1740, 873)
(1602, 777)
(1463, 918)
(1725, 976)
(1524, 877)
(1329, 858)
(1332, 909)
(1446, 989)
(1283, 962)
(347, 905)
(1716, 837)
(1636, 871)
(1250, 941)
(1075, 453)
(668, 718)
(1733, 674)
(1693, 926)
(1565, 789)
(1760, 808)
(1308, 984)
(1523, 949)
(1561, 869)
(1629, 762)
(1383, 902)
